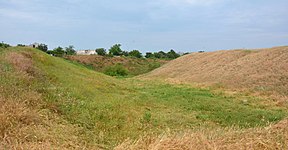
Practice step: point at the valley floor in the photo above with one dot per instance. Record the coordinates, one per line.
(49, 103)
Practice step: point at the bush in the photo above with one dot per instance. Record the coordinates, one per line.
(172, 54)
(4, 45)
(125, 53)
(70, 50)
(160, 55)
(59, 52)
(115, 50)
(116, 70)
(21, 45)
(149, 55)
(43, 47)
(135, 53)
(101, 51)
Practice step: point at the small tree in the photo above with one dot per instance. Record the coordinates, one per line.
(59, 52)
(101, 51)
(50, 52)
(70, 50)
(125, 53)
(172, 54)
(4, 45)
(160, 54)
(115, 50)
(149, 55)
(135, 53)
(42, 47)
(21, 45)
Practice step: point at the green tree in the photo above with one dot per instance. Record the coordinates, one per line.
(50, 52)
(135, 53)
(43, 47)
(160, 54)
(125, 53)
(4, 45)
(21, 45)
(59, 52)
(172, 54)
(149, 55)
(70, 50)
(101, 51)
(115, 50)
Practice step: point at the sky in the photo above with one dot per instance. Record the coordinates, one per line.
(146, 25)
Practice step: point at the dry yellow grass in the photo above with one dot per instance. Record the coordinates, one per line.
(263, 71)
(24, 123)
(23, 128)
(270, 138)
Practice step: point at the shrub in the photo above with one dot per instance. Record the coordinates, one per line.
(4, 45)
(172, 54)
(59, 52)
(70, 50)
(149, 55)
(115, 50)
(101, 51)
(43, 47)
(160, 55)
(21, 45)
(135, 53)
(116, 70)
(125, 53)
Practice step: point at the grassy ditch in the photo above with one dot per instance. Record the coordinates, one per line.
(102, 110)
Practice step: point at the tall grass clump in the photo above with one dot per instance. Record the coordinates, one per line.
(116, 70)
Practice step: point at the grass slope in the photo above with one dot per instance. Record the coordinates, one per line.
(48, 102)
(135, 66)
(263, 71)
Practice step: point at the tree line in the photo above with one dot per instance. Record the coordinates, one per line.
(114, 50)
(4, 45)
(58, 51)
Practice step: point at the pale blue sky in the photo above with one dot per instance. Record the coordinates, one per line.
(147, 25)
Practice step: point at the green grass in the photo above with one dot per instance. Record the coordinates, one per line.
(134, 66)
(139, 66)
(116, 70)
(111, 110)
(207, 106)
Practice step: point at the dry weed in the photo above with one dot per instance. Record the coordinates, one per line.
(21, 62)
(270, 138)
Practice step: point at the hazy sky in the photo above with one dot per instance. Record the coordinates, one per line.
(147, 25)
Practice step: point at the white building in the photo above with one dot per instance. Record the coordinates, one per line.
(86, 52)
(34, 45)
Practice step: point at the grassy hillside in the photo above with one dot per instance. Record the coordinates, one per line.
(135, 66)
(263, 71)
(48, 102)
